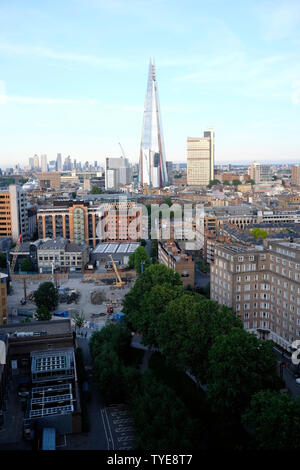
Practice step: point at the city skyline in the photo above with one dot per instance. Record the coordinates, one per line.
(81, 94)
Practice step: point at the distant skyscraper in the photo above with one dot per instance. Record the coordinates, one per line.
(44, 165)
(58, 162)
(200, 159)
(30, 162)
(36, 162)
(152, 169)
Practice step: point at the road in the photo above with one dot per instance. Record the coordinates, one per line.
(288, 373)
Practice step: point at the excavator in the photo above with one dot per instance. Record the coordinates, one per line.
(119, 282)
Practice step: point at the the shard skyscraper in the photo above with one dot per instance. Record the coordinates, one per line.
(152, 169)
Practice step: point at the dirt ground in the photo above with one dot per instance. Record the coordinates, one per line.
(84, 304)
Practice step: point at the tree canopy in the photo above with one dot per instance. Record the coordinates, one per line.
(46, 295)
(239, 365)
(26, 265)
(96, 190)
(275, 420)
(43, 314)
(141, 255)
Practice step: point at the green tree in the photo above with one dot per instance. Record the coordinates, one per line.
(154, 304)
(79, 320)
(141, 255)
(26, 265)
(189, 327)
(131, 261)
(251, 181)
(214, 182)
(96, 190)
(115, 334)
(236, 182)
(161, 419)
(275, 421)
(46, 295)
(239, 365)
(168, 201)
(142, 242)
(157, 274)
(259, 233)
(43, 314)
(3, 260)
(108, 374)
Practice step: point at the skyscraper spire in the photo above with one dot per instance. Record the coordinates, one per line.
(153, 169)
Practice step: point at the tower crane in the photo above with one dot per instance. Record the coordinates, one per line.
(119, 282)
(123, 153)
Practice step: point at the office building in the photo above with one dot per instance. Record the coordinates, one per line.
(13, 213)
(77, 221)
(117, 173)
(36, 162)
(200, 159)
(44, 166)
(152, 168)
(58, 162)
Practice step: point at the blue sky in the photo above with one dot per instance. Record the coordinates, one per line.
(73, 77)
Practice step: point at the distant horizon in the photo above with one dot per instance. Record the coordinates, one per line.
(74, 76)
(101, 163)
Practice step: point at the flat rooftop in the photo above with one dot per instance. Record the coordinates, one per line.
(115, 248)
(53, 327)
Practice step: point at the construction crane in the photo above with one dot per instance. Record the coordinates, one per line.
(119, 282)
(123, 153)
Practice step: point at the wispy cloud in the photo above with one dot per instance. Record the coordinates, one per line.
(279, 19)
(47, 53)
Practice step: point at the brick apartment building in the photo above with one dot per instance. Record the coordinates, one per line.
(262, 285)
(170, 254)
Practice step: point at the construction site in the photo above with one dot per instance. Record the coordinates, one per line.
(95, 297)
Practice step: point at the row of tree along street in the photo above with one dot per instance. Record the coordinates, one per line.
(207, 340)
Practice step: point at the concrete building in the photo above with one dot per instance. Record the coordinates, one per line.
(200, 159)
(36, 162)
(117, 173)
(170, 254)
(260, 173)
(44, 165)
(262, 285)
(13, 213)
(58, 162)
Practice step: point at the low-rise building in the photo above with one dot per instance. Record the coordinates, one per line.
(60, 254)
(170, 254)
